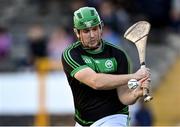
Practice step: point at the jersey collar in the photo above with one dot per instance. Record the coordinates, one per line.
(95, 51)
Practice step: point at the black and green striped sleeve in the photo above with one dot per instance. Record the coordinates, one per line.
(72, 61)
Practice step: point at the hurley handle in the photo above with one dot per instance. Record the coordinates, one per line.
(146, 95)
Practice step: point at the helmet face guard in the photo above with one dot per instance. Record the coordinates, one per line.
(86, 17)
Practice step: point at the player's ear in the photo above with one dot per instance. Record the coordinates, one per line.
(76, 32)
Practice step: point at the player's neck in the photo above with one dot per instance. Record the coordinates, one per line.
(99, 47)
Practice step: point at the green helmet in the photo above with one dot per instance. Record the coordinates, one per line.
(86, 17)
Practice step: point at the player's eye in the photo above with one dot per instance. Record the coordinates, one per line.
(95, 28)
(85, 30)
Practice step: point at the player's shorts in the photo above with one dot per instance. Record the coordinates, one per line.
(112, 120)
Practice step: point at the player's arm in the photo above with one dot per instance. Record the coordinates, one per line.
(101, 81)
(75, 66)
(128, 96)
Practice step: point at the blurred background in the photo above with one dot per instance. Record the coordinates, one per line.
(34, 33)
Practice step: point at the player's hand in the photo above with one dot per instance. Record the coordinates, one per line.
(146, 83)
(142, 73)
(143, 83)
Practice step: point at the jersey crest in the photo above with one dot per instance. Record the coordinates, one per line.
(106, 65)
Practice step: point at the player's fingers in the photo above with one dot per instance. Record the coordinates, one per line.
(148, 71)
(143, 79)
(145, 84)
(149, 80)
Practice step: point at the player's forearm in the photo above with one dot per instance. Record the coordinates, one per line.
(109, 81)
(101, 81)
(131, 98)
(127, 96)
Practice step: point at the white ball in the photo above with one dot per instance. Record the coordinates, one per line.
(133, 84)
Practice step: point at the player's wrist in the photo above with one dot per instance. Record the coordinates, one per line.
(137, 93)
(132, 76)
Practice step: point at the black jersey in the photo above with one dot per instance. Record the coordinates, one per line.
(90, 104)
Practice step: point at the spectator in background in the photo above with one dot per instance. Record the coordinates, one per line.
(94, 3)
(123, 19)
(37, 43)
(106, 9)
(58, 41)
(110, 36)
(42, 6)
(46, 6)
(75, 4)
(143, 116)
(175, 15)
(5, 43)
(156, 11)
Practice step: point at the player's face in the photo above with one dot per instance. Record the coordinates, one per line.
(90, 37)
